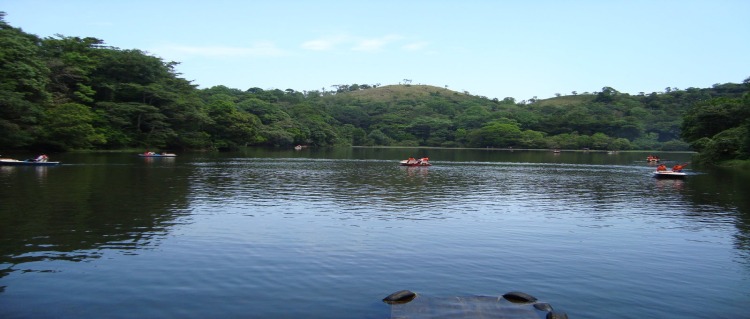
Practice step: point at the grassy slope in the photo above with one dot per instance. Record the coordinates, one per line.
(567, 100)
(391, 93)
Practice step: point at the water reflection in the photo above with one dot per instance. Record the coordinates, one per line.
(381, 189)
(669, 184)
(159, 160)
(74, 212)
(40, 172)
(84, 208)
(263, 228)
(721, 196)
(413, 171)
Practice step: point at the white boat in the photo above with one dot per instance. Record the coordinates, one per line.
(29, 162)
(669, 174)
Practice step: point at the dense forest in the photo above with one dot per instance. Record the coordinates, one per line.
(66, 93)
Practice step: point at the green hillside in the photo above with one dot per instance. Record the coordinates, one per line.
(66, 93)
(433, 116)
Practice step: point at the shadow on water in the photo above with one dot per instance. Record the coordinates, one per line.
(722, 194)
(75, 211)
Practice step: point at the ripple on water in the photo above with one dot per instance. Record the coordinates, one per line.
(278, 236)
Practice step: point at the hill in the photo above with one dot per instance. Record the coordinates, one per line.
(434, 116)
(66, 93)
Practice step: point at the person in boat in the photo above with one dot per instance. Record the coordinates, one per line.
(41, 158)
(411, 160)
(661, 168)
(678, 168)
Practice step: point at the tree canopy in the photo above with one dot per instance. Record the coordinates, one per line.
(719, 128)
(64, 93)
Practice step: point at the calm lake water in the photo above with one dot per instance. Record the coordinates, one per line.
(328, 234)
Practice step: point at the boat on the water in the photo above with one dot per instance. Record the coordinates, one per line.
(424, 161)
(675, 172)
(154, 154)
(669, 174)
(28, 162)
(652, 159)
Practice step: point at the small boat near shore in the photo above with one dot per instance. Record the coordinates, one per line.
(153, 154)
(424, 161)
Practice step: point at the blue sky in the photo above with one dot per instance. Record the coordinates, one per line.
(497, 49)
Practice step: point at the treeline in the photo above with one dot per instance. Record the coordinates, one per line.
(63, 93)
(719, 128)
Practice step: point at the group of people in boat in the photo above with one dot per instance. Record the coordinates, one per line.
(149, 153)
(676, 168)
(423, 160)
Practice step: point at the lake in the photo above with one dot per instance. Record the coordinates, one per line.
(329, 233)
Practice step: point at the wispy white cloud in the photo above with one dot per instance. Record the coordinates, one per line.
(375, 44)
(415, 46)
(325, 43)
(267, 49)
(354, 43)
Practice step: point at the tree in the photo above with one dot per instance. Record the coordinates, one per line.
(278, 138)
(620, 144)
(709, 118)
(71, 61)
(348, 114)
(648, 141)
(424, 127)
(23, 80)
(600, 141)
(532, 139)
(474, 117)
(352, 135)
(69, 126)
(378, 137)
(133, 124)
(496, 134)
(607, 95)
(231, 128)
(565, 140)
(727, 145)
(269, 113)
